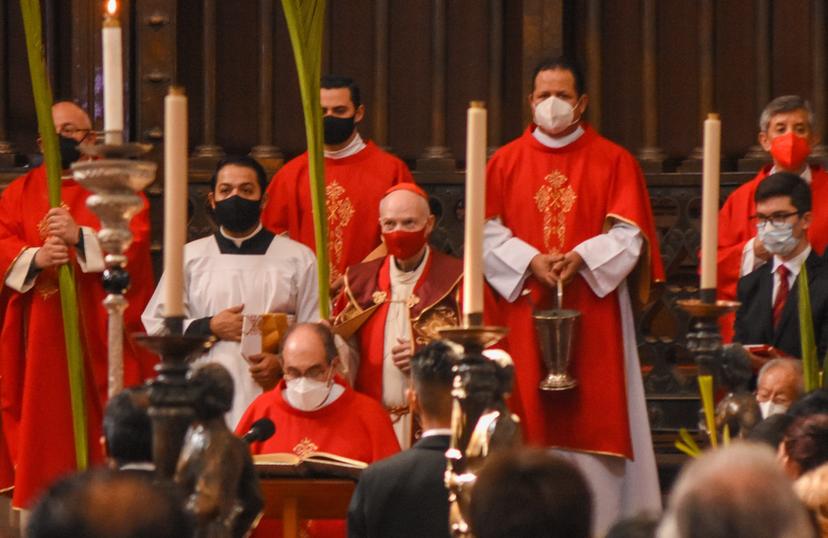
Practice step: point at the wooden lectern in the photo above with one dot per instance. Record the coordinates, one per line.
(294, 499)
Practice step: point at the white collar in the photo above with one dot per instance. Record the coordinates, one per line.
(408, 277)
(137, 466)
(435, 431)
(794, 264)
(239, 240)
(354, 146)
(557, 142)
(805, 174)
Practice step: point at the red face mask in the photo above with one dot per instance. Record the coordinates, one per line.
(790, 151)
(403, 244)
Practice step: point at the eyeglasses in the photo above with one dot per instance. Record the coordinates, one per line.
(777, 220)
(318, 373)
(71, 131)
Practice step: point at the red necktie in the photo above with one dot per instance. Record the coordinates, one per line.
(781, 293)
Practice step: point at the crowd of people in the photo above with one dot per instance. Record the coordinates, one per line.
(565, 207)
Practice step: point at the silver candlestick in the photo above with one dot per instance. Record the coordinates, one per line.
(115, 179)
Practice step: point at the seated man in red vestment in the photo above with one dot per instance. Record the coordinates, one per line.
(357, 174)
(786, 131)
(565, 204)
(315, 410)
(396, 303)
(34, 385)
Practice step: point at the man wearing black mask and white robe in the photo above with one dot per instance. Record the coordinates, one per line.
(242, 269)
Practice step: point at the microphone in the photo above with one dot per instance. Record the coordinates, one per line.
(261, 430)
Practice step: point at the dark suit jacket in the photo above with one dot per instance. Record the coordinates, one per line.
(754, 320)
(403, 495)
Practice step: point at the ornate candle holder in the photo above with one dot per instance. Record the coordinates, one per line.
(115, 179)
(704, 340)
(171, 396)
(480, 419)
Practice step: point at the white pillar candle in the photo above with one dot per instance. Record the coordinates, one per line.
(113, 76)
(710, 200)
(175, 199)
(475, 208)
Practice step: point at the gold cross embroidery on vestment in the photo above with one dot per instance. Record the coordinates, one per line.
(555, 200)
(340, 212)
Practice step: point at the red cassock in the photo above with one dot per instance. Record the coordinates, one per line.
(736, 228)
(34, 388)
(354, 426)
(554, 199)
(354, 187)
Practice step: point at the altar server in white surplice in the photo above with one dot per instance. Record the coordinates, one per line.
(241, 269)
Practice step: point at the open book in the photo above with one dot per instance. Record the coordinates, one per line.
(314, 464)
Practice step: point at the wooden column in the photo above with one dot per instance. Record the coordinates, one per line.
(209, 152)
(756, 156)
(542, 30)
(818, 152)
(269, 154)
(650, 154)
(706, 31)
(6, 149)
(593, 67)
(379, 110)
(86, 56)
(495, 104)
(437, 155)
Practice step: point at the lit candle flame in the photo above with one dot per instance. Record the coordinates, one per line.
(111, 7)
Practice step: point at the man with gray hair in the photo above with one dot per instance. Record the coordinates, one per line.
(779, 385)
(735, 492)
(786, 132)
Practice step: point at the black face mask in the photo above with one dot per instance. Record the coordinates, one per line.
(237, 214)
(69, 152)
(337, 130)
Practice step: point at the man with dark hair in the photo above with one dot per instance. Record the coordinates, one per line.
(769, 313)
(109, 504)
(242, 269)
(405, 495)
(315, 410)
(530, 492)
(565, 205)
(35, 240)
(786, 131)
(357, 173)
(127, 430)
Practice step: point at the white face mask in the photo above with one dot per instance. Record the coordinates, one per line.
(554, 115)
(769, 408)
(307, 394)
(778, 239)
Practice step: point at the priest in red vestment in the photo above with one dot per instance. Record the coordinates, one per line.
(396, 303)
(357, 174)
(786, 131)
(566, 204)
(315, 410)
(34, 387)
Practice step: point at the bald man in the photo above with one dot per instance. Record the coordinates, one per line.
(37, 440)
(394, 305)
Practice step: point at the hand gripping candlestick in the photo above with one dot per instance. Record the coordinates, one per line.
(115, 179)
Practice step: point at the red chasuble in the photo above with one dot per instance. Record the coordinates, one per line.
(554, 199)
(34, 386)
(354, 187)
(736, 229)
(354, 426)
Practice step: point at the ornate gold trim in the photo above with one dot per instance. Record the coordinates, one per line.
(450, 289)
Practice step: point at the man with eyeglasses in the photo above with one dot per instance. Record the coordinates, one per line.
(34, 241)
(314, 410)
(770, 295)
(786, 132)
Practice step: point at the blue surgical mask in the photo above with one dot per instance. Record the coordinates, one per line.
(778, 240)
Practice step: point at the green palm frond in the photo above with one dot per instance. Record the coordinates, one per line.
(810, 368)
(68, 297)
(305, 22)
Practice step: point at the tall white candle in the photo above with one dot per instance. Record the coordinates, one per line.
(175, 199)
(475, 208)
(113, 76)
(710, 200)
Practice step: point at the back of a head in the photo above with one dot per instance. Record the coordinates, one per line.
(529, 492)
(127, 427)
(735, 492)
(806, 441)
(813, 403)
(771, 431)
(640, 526)
(432, 376)
(812, 489)
(102, 504)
